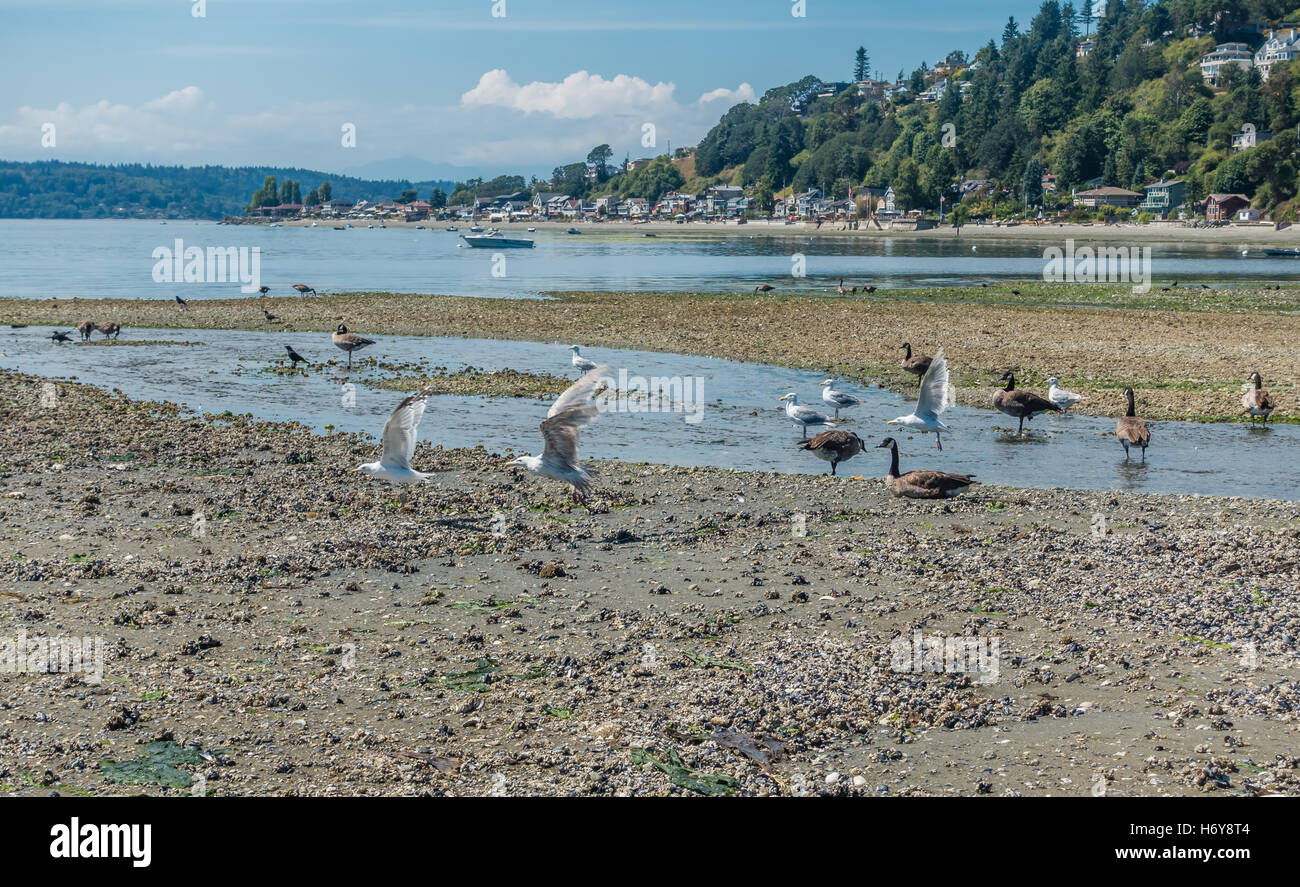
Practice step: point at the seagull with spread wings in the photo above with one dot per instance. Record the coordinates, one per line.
(931, 403)
(400, 434)
(559, 458)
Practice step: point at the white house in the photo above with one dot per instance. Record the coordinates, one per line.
(1226, 55)
(1281, 46)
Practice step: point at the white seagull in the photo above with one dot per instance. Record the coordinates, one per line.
(581, 362)
(931, 403)
(559, 458)
(400, 433)
(805, 417)
(837, 399)
(1059, 396)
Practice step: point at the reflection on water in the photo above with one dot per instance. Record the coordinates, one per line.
(743, 424)
(95, 259)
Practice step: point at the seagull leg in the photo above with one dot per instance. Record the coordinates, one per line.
(938, 438)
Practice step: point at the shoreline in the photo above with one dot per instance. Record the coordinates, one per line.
(448, 641)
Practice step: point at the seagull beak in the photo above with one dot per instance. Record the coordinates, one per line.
(891, 422)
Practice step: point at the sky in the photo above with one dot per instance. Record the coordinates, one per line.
(430, 88)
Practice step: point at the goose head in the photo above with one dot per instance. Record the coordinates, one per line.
(887, 444)
(342, 329)
(1258, 380)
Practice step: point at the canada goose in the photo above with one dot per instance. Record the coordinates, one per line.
(295, 358)
(804, 417)
(1059, 396)
(1131, 430)
(1257, 401)
(86, 327)
(304, 289)
(930, 403)
(868, 289)
(923, 484)
(109, 328)
(764, 288)
(1021, 405)
(58, 337)
(834, 446)
(918, 365)
(350, 342)
(182, 302)
(837, 399)
(841, 290)
(583, 364)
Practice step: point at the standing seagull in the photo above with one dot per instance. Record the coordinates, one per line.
(581, 362)
(1131, 430)
(1257, 401)
(805, 417)
(931, 402)
(1059, 396)
(838, 399)
(834, 446)
(917, 366)
(304, 289)
(295, 358)
(559, 458)
(400, 433)
(1021, 405)
(923, 484)
(350, 342)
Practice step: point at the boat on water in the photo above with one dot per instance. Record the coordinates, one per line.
(477, 229)
(496, 241)
(1288, 253)
(573, 231)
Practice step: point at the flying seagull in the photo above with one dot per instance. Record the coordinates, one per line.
(295, 357)
(931, 402)
(559, 458)
(581, 362)
(400, 433)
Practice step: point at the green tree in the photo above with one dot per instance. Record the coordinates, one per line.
(861, 64)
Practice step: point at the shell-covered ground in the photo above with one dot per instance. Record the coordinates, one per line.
(274, 624)
(1187, 350)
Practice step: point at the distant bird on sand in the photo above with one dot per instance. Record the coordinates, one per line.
(834, 446)
(58, 337)
(182, 302)
(270, 318)
(109, 328)
(868, 289)
(1131, 430)
(930, 403)
(1059, 396)
(86, 327)
(923, 484)
(1257, 401)
(1021, 405)
(841, 290)
(264, 289)
(400, 434)
(805, 417)
(837, 399)
(918, 365)
(582, 363)
(764, 288)
(559, 458)
(350, 342)
(295, 358)
(304, 289)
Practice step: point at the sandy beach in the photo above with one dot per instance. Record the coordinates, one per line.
(297, 630)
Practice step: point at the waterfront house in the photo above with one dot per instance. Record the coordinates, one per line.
(1096, 198)
(1164, 197)
(1223, 207)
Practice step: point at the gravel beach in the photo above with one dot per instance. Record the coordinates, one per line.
(281, 626)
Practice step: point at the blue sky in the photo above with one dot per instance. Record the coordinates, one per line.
(429, 85)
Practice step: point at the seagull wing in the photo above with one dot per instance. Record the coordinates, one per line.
(567, 415)
(401, 430)
(933, 399)
(579, 394)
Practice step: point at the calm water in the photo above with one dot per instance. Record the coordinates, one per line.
(742, 425)
(95, 259)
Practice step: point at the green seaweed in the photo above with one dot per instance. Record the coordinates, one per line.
(682, 776)
(156, 765)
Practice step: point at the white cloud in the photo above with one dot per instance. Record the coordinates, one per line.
(579, 95)
(186, 99)
(742, 93)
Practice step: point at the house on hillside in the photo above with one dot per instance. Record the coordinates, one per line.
(1281, 46)
(1096, 198)
(1164, 197)
(1223, 207)
(1249, 138)
(1226, 55)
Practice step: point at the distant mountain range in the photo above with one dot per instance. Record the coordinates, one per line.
(61, 190)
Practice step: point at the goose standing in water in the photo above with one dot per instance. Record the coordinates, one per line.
(1021, 405)
(837, 399)
(303, 289)
(834, 446)
(917, 366)
(805, 417)
(559, 458)
(931, 402)
(1257, 401)
(398, 444)
(350, 342)
(86, 327)
(581, 362)
(764, 288)
(1131, 430)
(1059, 396)
(923, 484)
(109, 328)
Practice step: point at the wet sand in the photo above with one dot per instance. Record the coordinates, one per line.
(694, 631)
